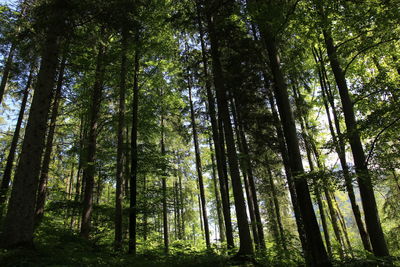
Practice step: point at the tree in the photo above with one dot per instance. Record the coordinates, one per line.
(19, 221)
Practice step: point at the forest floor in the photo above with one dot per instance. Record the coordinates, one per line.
(60, 247)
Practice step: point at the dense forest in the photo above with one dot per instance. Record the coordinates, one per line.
(199, 132)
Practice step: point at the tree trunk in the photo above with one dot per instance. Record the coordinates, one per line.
(89, 167)
(199, 169)
(217, 197)
(164, 190)
(249, 170)
(218, 142)
(372, 220)
(181, 200)
(317, 191)
(282, 238)
(145, 210)
(285, 160)
(44, 172)
(19, 222)
(340, 150)
(314, 240)
(5, 183)
(6, 71)
(134, 153)
(343, 224)
(246, 246)
(120, 145)
(244, 169)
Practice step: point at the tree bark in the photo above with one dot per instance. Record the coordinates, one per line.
(315, 244)
(217, 197)
(340, 150)
(5, 183)
(372, 220)
(134, 153)
(6, 72)
(289, 177)
(44, 172)
(89, 167)
(218, 142)
(19, 222)
(276, 206)
(199, 169)
(120, 142)
(245, 174)
(246, 246)
(249, 170)
(164, 192)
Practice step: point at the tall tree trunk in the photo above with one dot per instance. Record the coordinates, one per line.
(181, 200)
(5, 183)
(372, 220)
(44, 172)
(282, 238)
(134, 153)
(19, 222)
(340, 150)
(127, 169)
(249, 170)
(218, 142)
(288, 172)
(314, 240)
(6, 71)
(89, 168)
(199, 169)
(343, 224)
(317, 191)
(243, 166)
(217, 197)
(246, 244)
(335, 224)
(120, 145)
(145, 210)
(164, 189)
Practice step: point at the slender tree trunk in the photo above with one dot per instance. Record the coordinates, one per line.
(335, 224)
(6, 71)
(372, 220)
(217, 197)
(179, 205)
(218, 142)
(134, 153)
(343, 224)
(127, 169)
(277, 210)
(145, 211)
(19, 222)
(182, 206)
(249, 171)
(288, 172)
(89, 168)
(340, 150)
(246, 244)
(249, 193)
(176, 211)
(5, 183)
(199, 169)
(44, 173)
(120, 145)
(164, 189)
(311, 147)
(317, 191)
(314, 240)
